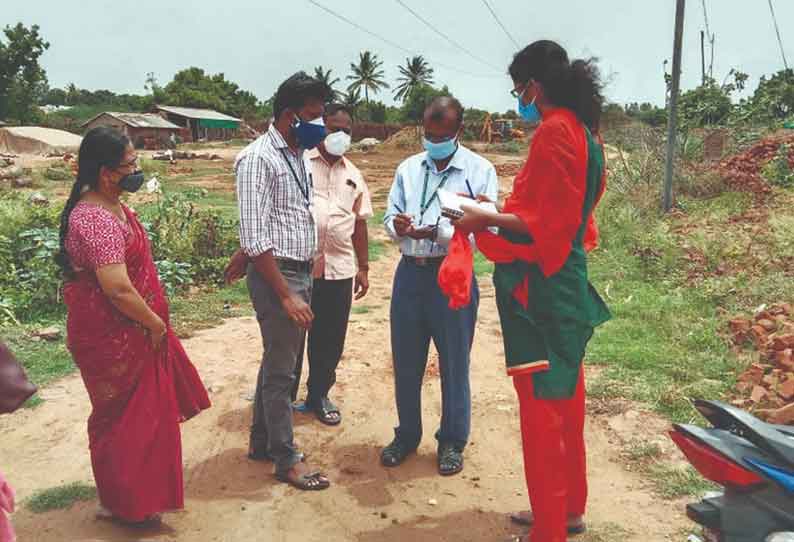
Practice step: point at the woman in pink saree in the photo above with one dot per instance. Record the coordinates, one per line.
(138, 377)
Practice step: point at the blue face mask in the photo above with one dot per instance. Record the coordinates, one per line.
(442, 150)
(132, 182)
(530, 112)
(309, 133)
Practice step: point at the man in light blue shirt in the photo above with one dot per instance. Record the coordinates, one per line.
(419, 310)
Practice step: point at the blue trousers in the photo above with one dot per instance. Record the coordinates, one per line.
(419, 312)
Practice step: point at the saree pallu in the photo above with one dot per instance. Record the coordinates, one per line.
(139, 394)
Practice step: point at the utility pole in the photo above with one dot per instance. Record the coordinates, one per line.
(703, 57)
(672, 112)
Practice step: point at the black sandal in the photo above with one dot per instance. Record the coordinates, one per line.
(575, 526)
(324, 409)
(450, 460)
(311, 481)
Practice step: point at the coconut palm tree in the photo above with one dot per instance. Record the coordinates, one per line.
(415, 73)
(352, 100)
(325, 76)
(367, 74)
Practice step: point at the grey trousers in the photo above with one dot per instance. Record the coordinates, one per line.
(282, 339)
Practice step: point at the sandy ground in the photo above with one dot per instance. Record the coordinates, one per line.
(230, 498)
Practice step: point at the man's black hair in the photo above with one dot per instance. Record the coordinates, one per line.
(438, 107)
(296, 91)
(334, 108)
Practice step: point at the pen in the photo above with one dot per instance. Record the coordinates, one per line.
(471, 192)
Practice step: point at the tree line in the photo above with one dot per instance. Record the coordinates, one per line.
(714, 104)
(24, 88)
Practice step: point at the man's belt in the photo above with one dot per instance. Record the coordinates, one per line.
(294, 265)
(424, 261)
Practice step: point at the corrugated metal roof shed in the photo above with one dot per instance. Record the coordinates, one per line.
(139, 120)
(193, 113)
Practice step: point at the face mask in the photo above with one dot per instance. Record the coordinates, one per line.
(309, 134)
(442, 150)
(529, 113)
(132, 182)
(337, 143)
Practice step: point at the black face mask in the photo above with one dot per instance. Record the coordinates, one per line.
(132, 182)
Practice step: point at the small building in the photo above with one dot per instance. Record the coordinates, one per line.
(145, 130)
(202, 123)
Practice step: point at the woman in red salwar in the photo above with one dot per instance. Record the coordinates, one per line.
(547, 307)
(140, 381)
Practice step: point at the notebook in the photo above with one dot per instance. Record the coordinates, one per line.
(452, 203)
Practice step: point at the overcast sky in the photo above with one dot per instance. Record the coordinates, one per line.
(257, 43)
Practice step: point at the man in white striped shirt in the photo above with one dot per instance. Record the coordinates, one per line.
(277, 233)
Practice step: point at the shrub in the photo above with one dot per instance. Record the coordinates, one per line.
(779, 171)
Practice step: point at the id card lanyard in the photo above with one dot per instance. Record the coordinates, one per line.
(425, 204)
(304, 189)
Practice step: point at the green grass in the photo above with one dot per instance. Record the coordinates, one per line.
(674, 483)
(237, 142)
(191, 313)
(640, 451)
(482, 266)
(377, 249)
(665, 342)
(375, 222)
(44, 361)
(604, 532)
(60, 498)
(361, 309)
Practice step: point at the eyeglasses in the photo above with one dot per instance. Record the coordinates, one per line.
(518, 92)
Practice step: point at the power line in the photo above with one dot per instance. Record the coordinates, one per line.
(499, 22)
(777, 30)
(710, 38)
(706, 19)
(443, 35)
(390, 42)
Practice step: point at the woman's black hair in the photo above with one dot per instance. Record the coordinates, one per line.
(574, 85)
(101, 147)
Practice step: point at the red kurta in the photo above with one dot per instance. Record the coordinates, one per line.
(547, 196)
(138, 394)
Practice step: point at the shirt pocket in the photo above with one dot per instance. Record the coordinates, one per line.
(346, 197)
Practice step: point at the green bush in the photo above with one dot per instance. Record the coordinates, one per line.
(190, 246)
(29, 281)
(182, 233)
(60, 171)
(779, 170)
(174, 276)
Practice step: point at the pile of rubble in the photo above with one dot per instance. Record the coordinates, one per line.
(767, 386)
(407, 138)
(170, 156)
(508, 169)
(13, 175)
(742, 172)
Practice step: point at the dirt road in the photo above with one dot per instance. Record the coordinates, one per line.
(232, 499)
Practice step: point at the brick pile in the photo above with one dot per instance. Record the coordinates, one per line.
(767, 386)
(742, 172)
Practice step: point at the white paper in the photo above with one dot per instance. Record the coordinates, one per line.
(453, 203)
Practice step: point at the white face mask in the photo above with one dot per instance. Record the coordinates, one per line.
(337, 143)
